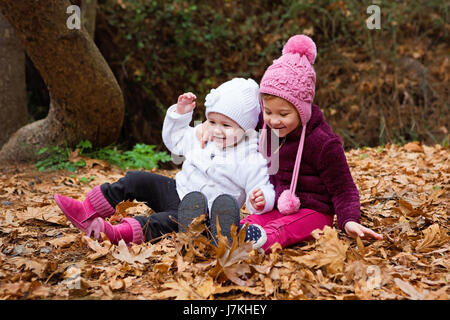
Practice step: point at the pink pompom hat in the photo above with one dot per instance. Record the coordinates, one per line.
(292, 77)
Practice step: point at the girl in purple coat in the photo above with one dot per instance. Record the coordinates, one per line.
(312, 179)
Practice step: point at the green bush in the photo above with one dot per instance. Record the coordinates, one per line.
(57, 158)
(142, 156)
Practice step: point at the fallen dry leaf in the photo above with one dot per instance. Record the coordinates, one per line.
(413, 147)
(404, 196)
(101, 249)
(207, 288)
(38, 267)
(122, 253)
(331, 252)
(433, 236)
(64, 241)
(408, 289)
(180, 290)
(121, 211)
(231, 261)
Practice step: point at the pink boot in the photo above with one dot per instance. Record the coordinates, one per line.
(82, 213)
(129, 230)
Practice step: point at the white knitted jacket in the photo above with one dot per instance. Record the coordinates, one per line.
(236, 171)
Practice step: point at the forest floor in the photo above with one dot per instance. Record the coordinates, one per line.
(404, 195)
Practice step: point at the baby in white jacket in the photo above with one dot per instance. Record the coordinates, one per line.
(232, 164)
(216, 180)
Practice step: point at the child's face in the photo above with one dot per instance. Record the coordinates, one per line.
(281, 115)
(224, 131)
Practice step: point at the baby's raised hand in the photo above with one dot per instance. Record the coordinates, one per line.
(186, 103)
(257, 199)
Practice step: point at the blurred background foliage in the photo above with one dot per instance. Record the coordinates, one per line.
(374, 86)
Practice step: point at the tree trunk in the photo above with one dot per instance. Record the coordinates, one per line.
(86, 101)
(13, 93)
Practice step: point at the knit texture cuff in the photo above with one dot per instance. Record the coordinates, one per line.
(138, 235)
(172, 113)
(353, 214)
(99, 202)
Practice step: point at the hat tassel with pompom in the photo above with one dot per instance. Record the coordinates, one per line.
(304, 46)
(288, 202)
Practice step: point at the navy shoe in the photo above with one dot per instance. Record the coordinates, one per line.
(257, 234)
(226, 208)
(193, 205)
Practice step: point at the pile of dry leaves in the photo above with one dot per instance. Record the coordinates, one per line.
(404, 196)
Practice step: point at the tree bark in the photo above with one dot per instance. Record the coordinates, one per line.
(86, 100)
(13, 93)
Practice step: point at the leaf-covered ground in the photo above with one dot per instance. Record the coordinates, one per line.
(404, 195)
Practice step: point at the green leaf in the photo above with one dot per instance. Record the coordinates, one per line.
(84, 180)
(42, 150)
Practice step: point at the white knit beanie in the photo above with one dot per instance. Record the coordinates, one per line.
(236, 99)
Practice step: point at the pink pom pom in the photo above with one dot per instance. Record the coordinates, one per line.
(288, 203)
(303, 45)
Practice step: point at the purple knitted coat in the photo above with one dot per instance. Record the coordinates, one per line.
(325, 183)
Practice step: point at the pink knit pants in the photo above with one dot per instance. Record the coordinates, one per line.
(289, 229)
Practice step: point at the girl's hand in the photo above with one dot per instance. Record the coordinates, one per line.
(354, 229)
(203, 134)
(186, 103)
(257, 199)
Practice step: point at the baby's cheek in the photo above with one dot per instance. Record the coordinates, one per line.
(230, 133)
